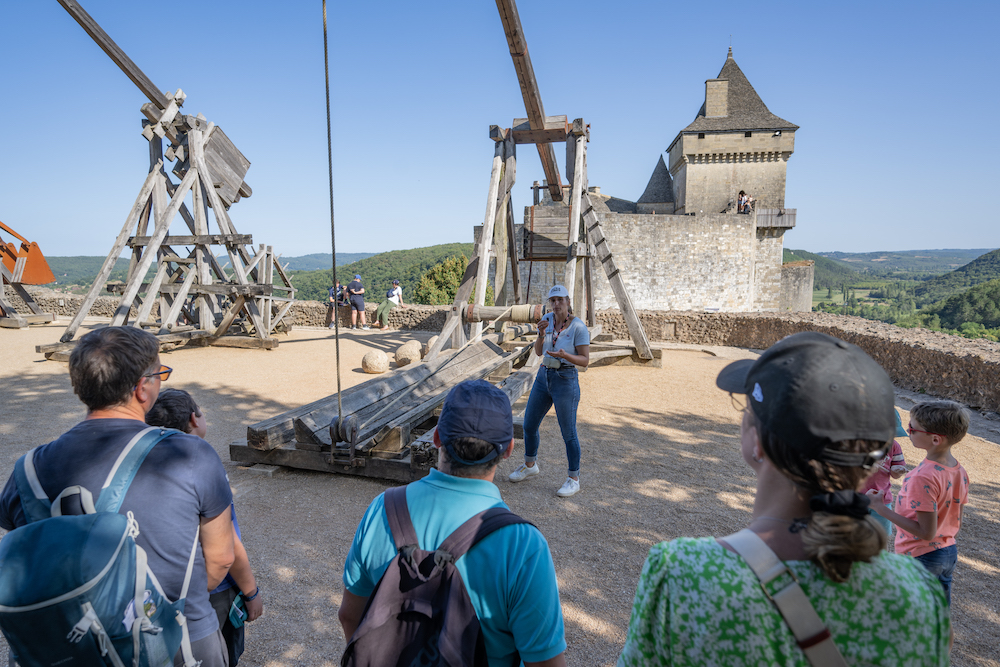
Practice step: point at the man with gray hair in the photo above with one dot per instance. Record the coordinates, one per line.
(180, 489)
(509, 574)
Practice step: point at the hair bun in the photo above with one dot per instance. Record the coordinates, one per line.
(845, 502)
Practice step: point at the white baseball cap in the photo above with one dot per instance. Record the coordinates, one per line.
(558, 290)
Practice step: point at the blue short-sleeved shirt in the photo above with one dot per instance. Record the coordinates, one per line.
(180, 481)
(509, 575)
(574, 334)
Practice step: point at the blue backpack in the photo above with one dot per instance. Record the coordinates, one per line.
(75, 590)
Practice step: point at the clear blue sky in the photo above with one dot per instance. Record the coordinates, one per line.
(897, 147)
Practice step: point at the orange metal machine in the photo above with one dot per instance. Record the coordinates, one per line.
(22, 266)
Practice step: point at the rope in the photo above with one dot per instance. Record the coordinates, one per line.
(333, 228)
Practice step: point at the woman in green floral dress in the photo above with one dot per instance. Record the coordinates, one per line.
(819, 411)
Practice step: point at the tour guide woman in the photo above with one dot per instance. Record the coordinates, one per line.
(563, 343)
(820, 414)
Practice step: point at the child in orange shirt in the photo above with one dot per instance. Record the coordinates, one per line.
(929, 507)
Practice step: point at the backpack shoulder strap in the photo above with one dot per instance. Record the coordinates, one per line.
(398, 514)
(810, 632)
(34, 503)
(127, 465)
(476, 528)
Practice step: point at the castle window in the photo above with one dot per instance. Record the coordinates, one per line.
(701, 135)
(748, 134)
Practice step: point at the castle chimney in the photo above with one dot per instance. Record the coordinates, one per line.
(716, 98)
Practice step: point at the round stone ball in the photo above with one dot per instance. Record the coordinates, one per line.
(429, 344)
(408, 353)
(375, 362)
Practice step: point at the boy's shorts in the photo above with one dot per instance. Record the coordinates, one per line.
(941, 563)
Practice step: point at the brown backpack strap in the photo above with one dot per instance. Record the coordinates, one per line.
(398, 514)
(476, 528)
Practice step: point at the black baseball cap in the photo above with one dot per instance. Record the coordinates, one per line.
(476, 409)
(812, 390)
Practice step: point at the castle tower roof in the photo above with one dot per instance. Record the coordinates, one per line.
(660, 188)
(744, 110)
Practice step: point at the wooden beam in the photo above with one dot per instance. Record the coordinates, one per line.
(529, 91)
(579, 176)
(114, 52)
(515, 270)
(201, 239)
(116, 251)
(486, 237)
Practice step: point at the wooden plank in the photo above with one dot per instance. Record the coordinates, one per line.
(454, 320)
(230, 315)
(29, 300)
(596, 236)
(244, 342)
(515, 271)
(116, 250)
(588, 275)
(225, 289)
(192, 239)
(152, 293)
(287, 455)
(167, 321)
(165, 339)
(529, 91)
(131, 70)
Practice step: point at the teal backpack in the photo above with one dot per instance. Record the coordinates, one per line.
(75, 590)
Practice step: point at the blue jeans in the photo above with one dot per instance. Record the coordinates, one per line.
(941, 563)
(559, 387)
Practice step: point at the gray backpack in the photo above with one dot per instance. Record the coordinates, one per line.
(420, 612)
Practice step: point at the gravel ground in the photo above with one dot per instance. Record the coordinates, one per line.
(660, 460)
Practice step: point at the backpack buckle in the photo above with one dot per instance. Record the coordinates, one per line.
(442, 558)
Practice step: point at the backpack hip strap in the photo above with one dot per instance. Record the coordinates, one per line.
(398, 514)
(810, 632)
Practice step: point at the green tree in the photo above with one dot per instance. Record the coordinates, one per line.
(439, 285)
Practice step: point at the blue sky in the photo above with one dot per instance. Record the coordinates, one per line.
(897, 147)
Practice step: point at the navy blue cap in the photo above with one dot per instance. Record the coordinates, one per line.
(812, 390)
(476, 409)
(357, 276)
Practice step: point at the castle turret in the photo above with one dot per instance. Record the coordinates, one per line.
(735, 143)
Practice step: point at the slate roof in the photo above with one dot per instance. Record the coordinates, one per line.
(746, 111)
(660, 188)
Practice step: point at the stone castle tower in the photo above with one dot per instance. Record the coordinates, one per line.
(682, 245)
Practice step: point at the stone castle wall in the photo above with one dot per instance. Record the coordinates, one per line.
(796, 287)
(709, 173)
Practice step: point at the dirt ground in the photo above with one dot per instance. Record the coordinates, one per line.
(660, 460)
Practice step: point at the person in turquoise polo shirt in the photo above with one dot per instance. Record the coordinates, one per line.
(509, 574)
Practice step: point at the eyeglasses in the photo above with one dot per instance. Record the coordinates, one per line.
(739, 401)
(911, 431)
(164, 373)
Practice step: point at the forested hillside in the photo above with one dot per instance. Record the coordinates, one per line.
(829, 273)
(378, 271)
(319, 261)
(981, 270)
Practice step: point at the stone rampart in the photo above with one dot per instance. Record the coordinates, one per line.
(916, 359)
(66, 305)
(797, 286)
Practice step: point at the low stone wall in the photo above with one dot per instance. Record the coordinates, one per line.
(916, 359)
(66, 305)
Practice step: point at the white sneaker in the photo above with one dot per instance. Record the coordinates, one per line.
(570, 487)
(523, 472)
(365, 328)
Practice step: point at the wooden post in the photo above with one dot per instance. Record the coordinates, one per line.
(515, 269)
(486, 238)
(116, 251)
(573, 227)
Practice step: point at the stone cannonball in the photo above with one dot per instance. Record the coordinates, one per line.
(429, 345)
(375, 362)
(408, 353)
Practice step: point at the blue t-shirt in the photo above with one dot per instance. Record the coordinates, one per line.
(509, 575)
(180, 481)
(575, 333)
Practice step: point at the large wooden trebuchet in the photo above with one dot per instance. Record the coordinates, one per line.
(207, 280)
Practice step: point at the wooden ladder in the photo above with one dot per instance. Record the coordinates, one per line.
(607, 260)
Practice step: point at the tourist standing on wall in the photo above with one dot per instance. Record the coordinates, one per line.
(335, 297)
(563, 343)
(393, 298)
(356, 295)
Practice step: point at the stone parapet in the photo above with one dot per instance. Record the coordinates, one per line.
(916, 359)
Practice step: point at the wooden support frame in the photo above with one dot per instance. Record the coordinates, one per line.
(190, 286)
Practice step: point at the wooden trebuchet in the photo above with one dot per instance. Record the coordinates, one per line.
(176, 282)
